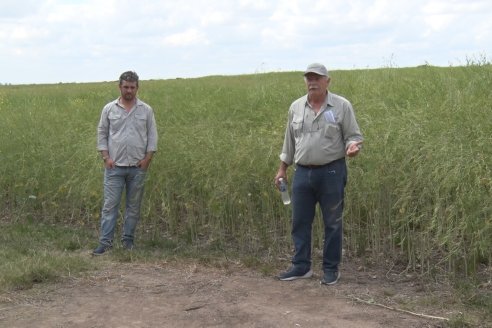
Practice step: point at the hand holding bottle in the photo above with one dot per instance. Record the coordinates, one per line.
(284, 190)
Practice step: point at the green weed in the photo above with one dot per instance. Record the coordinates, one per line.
(418, 194)
(34, 252)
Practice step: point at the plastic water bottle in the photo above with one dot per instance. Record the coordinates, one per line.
(284, 191)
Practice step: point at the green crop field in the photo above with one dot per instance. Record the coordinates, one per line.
(419, 194)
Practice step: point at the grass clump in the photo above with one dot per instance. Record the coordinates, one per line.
(34, 252)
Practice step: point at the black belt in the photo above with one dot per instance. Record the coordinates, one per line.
(125, 167)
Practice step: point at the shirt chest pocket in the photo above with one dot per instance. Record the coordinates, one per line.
(297, 128)
(331, 131)
(116, 122)
(140, 121)
(331, 127)
(297, 125)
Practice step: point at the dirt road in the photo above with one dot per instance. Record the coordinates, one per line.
(190, 295)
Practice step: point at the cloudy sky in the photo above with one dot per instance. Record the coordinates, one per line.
(51, 41)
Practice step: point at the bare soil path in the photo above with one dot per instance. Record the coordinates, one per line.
(183, 294)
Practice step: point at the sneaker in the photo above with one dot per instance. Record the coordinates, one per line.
(127, 244)
(101, 249)
(295, 273)
(330, 278)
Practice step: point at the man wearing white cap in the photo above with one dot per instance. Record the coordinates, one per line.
(321, 131)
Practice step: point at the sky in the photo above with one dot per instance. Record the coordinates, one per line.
(53, 41)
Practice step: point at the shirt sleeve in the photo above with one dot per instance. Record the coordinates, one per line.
(288, 148)
(351, 131)
(152, 132)
(103, 130)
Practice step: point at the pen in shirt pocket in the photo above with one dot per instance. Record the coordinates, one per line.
(330, 117)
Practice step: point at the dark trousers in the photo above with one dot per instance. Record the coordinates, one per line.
(324, 185)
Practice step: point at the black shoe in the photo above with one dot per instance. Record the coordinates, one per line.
(295, 273)
(101, 249)
(330, 278)
(128, 245)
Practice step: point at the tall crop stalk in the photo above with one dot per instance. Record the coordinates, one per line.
(418, 194)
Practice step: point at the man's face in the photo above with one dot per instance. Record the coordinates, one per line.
(128, 90)
(316, 84)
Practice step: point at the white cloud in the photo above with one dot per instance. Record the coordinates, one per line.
(16, 8)
(199, 37)
(189, 37)
(255, 4)
(20, 33)
(214, 18)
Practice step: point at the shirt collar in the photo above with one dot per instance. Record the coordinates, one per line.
(327, 102)
(137, 102)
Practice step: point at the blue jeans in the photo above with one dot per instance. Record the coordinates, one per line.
(324, 185)
(131, 179)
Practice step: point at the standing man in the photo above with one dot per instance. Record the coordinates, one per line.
(127, 140)
(321, 131)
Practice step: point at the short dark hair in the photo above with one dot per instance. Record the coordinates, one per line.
(129, 76)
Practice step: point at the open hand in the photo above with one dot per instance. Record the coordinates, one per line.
(353, 149)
